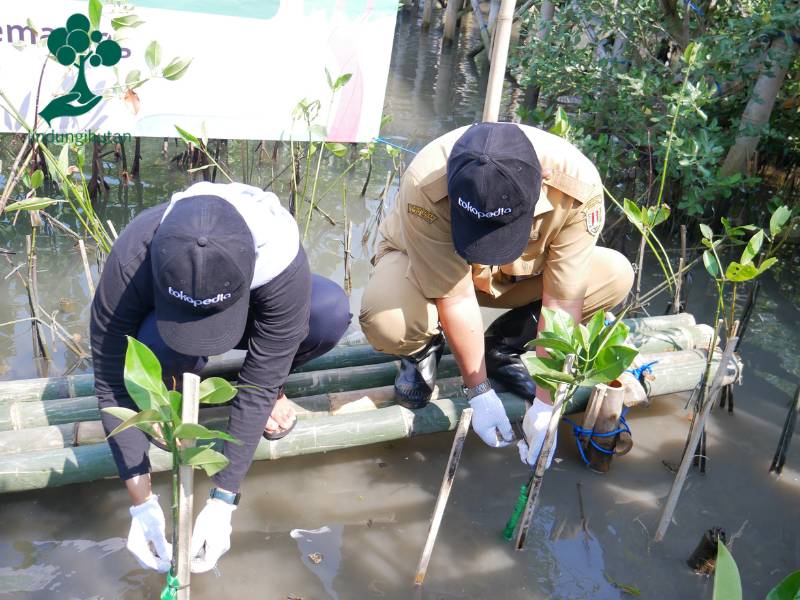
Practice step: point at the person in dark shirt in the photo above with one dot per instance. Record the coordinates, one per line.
(218, 267)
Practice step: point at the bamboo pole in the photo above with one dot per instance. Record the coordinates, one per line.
(450, 21)
(351, 354)
(497, 71)
(427, 13)
(543, 459)
(607, 420)
(182, 560)
(697, 428)
(484, 32)
(444, 493)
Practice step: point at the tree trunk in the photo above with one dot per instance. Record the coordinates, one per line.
(759, 106)
(546, 14)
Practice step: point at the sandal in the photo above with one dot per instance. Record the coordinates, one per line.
(277, 435)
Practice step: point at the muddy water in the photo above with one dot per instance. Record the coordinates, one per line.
(351, 524)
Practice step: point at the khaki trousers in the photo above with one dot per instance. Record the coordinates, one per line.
(397, 319)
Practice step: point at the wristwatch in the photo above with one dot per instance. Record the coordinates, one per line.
(227, 497)
(481, 388)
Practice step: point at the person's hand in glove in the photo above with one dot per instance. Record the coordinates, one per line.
(211, 537)
(146, 539)
(489, 420)
(534, 426)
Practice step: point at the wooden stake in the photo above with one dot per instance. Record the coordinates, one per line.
(676, 303)
(694, 437)
(427, 13)
(181, 558)
(497, 71)
(450, 20)
(607, 420)
(444, 491)
(544, 456)
(86, 268)
(786, 435)
(476, 8)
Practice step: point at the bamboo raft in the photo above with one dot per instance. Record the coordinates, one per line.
(50, 433)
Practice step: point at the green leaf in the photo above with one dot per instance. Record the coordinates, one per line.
(767, 264)
(559, 322)
(778, 220)
(706, 231)
(328, 78)
(216, 390)
(788, 589)
(37, 179)
(583, 335)
(539, 367)
(193, 431)
(210, 460)
(633, 213)
(753, 247)
(152, 55)
(711, 264)
(63, 160)
(144, 417)
(656, 215)
(727, 583)
(338, 150)
(341, 81)
(120, 412)
(95, 13)
(610, 363)
(177, 68)
(738, 272)
(552, 344)
(142, 376)
(175, 399)
(31, 204)
(596, 324)
(134, 79)
(118, 23)
(188, 137)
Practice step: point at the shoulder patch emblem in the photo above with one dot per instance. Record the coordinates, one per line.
(422, 213)
(595, 215)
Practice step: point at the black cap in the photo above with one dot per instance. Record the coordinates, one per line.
(202, 257)
(493, 181)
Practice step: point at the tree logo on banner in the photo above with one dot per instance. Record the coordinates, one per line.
(76, 45)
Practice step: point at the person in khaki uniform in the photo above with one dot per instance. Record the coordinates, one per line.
(498, 215)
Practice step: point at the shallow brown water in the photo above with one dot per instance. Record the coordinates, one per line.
(366, 510)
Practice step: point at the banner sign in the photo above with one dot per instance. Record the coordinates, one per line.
(234, 69)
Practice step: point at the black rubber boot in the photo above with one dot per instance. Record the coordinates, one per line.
(414, 384)
(505, 341)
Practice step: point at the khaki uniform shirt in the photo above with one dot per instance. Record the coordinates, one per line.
(567, 220)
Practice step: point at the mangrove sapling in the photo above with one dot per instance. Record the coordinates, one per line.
(160, 418)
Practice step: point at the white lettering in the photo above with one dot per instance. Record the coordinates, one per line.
(482, 215)
(181, 296)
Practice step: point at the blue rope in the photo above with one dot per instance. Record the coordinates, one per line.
(579, 432)
(640, 372)
(695, 8)
(393, 145)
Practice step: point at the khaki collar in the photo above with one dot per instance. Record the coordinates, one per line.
(543, 205)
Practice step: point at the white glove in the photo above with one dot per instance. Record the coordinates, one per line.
(534, 426)
(147, 527)
(489, 420)
(211, 537)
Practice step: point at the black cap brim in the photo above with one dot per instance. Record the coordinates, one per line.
(496, 246)
(210, 335)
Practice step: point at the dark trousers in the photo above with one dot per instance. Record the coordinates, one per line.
(329, 319)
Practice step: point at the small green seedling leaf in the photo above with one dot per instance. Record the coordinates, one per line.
(706, 231)
(538, 366)
(727, 583)
(337, 149)
(37, 179)
(753, 247)
(778, 220)
(633, 213)
(177, 68)
(711, 264)
(143, 376)
(152, 55)
(552, 344)
(788, 589)
(31, 204)
(216, 390)
(211, 461)
(138, 419)
(192, 431)
(341, 81)
(187, 137)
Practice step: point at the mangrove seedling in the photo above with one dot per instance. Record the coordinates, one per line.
(728, 583)
(601, 354)
(159, 417)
